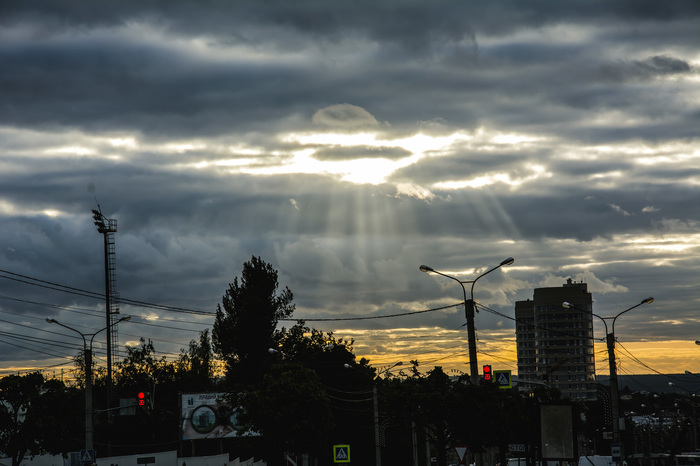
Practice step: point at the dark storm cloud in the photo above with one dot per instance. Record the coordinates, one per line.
(124, 85)
(411, 21)
(658, 65)
(105, 86)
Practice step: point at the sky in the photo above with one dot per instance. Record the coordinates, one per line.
(346, 144)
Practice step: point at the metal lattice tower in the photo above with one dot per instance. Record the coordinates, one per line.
(108, 227)
(111, 270)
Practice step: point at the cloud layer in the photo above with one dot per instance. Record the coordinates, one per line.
(346, 144)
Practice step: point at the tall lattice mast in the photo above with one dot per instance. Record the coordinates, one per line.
(108, 227)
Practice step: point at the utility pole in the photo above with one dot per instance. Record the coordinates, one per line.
(614, 392)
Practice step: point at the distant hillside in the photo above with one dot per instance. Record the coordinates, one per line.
(658, 383)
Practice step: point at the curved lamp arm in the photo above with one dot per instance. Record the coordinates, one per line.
(506, 261)
(644, 301)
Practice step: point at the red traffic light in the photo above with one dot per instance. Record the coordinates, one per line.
(141, 399)
(488, 376)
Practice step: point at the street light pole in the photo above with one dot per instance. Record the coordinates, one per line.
(375, 401)
(469, 309)
(610, 342)
(375, 405)
(87, 352)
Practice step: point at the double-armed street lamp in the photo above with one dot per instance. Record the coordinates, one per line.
(469, 310)
(610, 340)
(87, 352)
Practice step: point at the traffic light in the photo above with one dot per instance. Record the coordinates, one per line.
(488, 375)
(143, 401)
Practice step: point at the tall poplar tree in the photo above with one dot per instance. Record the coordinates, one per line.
(246, 320)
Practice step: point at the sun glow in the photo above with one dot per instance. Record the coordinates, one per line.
(371, 170)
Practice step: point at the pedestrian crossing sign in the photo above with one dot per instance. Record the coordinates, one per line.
(341, 453)
(503, 379)
(87, 456)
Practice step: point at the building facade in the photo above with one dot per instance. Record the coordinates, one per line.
(555, 344)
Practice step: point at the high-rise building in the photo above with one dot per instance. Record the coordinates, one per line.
(555, 344)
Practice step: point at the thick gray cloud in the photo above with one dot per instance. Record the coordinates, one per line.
(346, 144)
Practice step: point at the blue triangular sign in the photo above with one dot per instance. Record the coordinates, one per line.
(87, 456)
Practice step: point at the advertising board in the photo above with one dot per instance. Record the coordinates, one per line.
(207, 415)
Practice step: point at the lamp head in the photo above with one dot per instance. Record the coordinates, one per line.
(566, 305)
(648, 300)
(425, 268)
(507, 261)
(51, 321)
(125, 319)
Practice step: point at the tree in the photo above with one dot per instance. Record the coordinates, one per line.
(312, 348)
(291, 410)
(36, 416)
(247, 318)
(424, 402)
(17, 394)
(142, 370)
(194, 369)
(307, 388)
(59, 413)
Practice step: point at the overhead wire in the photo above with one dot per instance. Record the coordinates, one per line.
(35, 350)
(342, 319)
(35, 340)
(644, 364)
(143, 304)
(92, 294)
(97, 353)
(11, 339)
(91, 312)
(638, 361)
(58, 287)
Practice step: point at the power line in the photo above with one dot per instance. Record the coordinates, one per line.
(340, 319)
(58, 343)
(88, 312)
(637, 360)
(92, 294)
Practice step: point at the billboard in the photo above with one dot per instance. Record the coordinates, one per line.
(207, 415)
(557, 431)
